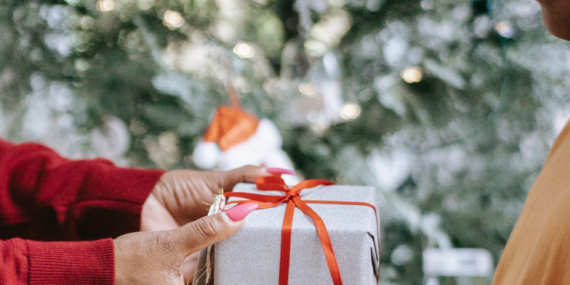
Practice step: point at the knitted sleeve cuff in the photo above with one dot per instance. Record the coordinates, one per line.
(71, 262)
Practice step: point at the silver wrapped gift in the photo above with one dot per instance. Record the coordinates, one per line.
(252, 256)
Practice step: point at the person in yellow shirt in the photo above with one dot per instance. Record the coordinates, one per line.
(538, 250)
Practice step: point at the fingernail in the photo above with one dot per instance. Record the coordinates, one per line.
(241, 211)
(275, 170)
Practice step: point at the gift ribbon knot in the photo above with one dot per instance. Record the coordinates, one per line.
(293, 200)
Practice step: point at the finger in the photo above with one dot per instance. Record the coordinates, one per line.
(246, 173)
(209, 230)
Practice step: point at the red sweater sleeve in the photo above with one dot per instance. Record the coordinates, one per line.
(46, 197)
(24, 262)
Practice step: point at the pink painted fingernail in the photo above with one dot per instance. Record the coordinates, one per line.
(275, 170)
(241, 211)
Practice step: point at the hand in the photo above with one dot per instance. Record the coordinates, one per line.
(157, 257)
(179, 197)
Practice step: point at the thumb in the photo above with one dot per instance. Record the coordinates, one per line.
(211, 229)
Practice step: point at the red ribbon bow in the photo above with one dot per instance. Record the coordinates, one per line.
(293, 199)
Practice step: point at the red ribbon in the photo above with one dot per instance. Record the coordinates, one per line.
(292, 198)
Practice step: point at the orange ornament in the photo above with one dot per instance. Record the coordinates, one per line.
(230, 127)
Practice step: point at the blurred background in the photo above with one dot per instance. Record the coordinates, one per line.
(448, 107)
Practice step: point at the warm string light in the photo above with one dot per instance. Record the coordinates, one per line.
(319, 128)
(412, 74)
(505, 29)
(307, 89)
(244, 50)
(173, 20)
(350, 111)
(106, 5)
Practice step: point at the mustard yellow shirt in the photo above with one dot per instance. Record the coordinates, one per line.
(538, 250)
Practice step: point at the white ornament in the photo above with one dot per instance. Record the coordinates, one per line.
(263, 148)
(206, 154)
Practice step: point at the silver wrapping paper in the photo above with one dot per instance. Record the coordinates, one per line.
(252, 256)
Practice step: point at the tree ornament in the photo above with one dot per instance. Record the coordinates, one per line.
(236, 138)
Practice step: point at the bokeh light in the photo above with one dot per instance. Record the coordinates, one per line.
(412, 74)
(350, 111)
(106, 5)
(173, 20)
(244, 50)
(307, 89)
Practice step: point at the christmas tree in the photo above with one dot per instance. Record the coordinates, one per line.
(447, 107)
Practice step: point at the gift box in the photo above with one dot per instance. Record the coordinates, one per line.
(334, 241)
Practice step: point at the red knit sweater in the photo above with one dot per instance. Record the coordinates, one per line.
(80, 204)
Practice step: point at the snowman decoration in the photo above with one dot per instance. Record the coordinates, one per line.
(236, 138)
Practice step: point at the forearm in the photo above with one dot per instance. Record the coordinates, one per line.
(86, 199)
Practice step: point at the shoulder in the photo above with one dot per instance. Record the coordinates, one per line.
(563, 138)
